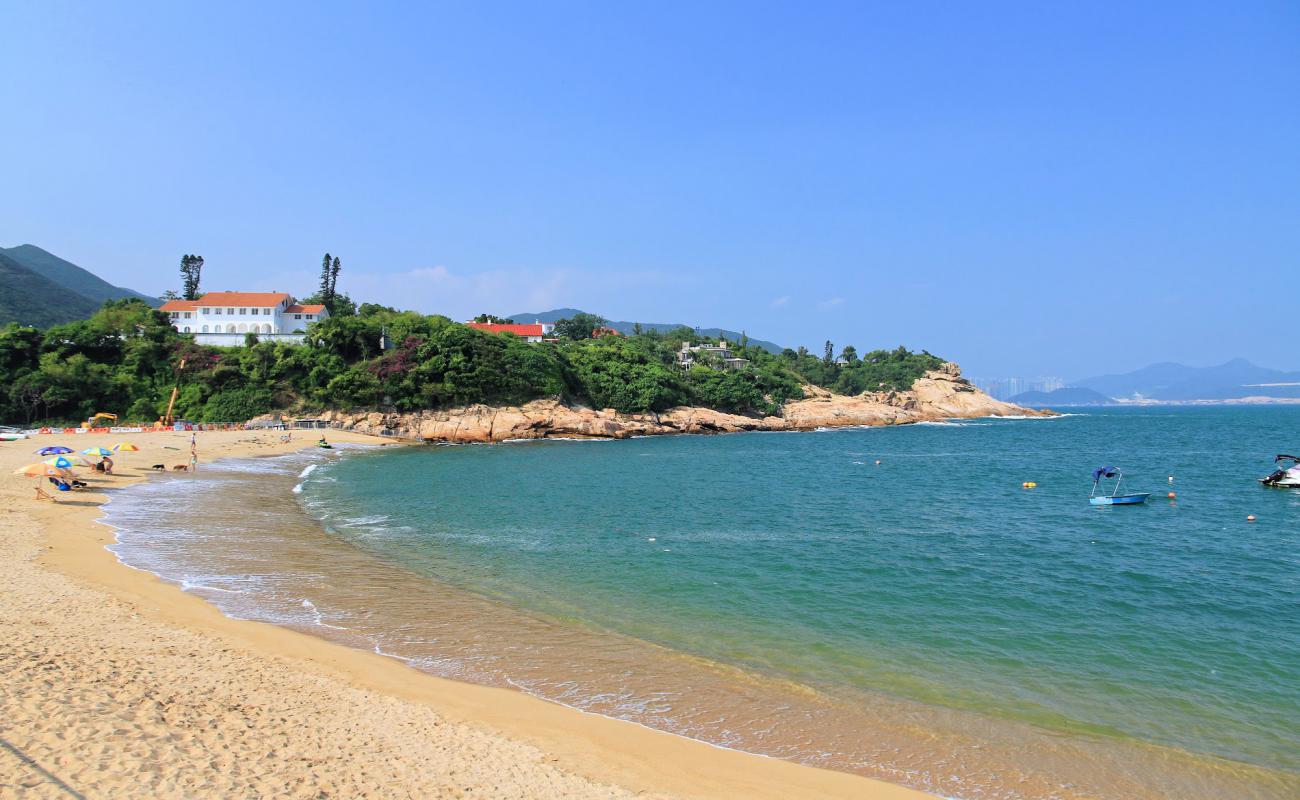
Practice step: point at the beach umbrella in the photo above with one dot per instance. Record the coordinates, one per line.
(62, 462)
(57, 450)
(125, 447)
(36, 470)
(97, 451)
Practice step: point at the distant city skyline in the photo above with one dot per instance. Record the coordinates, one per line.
(1025, 189)
(1003, 388)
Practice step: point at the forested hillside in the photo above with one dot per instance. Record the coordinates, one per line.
(39, 288)
(125, 360)
(70, 276)
(31, 299)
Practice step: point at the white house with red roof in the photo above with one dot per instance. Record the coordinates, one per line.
(225, 318)
(536, 332)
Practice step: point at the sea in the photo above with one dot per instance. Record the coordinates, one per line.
(887, 601)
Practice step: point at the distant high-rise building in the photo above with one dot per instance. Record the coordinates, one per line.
(1004, 388)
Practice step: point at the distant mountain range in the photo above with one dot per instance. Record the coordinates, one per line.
(626, 327)
(1167, 381)
(38, 288)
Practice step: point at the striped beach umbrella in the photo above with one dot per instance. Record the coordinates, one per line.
(98, 451)
(56, 450)
(63, 462)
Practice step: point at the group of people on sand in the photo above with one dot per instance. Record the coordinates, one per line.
(63, 480)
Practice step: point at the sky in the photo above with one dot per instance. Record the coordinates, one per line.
(1025, 188)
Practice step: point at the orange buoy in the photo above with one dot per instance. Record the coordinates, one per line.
(1029, 485)
(1172, 495)
(1250, 517)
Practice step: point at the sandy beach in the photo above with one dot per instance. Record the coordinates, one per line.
(114, 683)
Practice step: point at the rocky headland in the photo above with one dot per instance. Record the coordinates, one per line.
(939, 395)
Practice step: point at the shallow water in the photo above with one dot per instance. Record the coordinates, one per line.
(925, 620)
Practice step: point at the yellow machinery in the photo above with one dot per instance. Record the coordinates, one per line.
(90, 423)
(166, 420)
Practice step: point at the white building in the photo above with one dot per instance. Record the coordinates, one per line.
(225, 318)
(718, 355)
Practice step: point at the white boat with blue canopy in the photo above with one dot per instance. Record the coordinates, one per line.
(1114, 498)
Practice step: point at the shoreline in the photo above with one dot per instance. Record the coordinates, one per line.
(938, 396)
(590, 754)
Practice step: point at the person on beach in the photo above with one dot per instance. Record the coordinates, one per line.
(108, 465)
(194, 461)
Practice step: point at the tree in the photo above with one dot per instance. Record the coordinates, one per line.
(170, 294)
(829, 357)
(334, 279)
(191, 272)
(580, 326)
(326, 293)
(636, 329)
(494, 319)
(850, 354)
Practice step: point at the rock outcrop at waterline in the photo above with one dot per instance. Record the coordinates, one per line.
(941, 394)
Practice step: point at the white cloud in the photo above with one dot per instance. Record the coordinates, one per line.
(781, 301)
(831, 303)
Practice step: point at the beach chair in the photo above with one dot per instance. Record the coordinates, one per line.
(41, 494)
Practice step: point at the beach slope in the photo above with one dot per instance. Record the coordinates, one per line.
(116, 684)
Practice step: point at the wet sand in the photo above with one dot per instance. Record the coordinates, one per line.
(115, 683)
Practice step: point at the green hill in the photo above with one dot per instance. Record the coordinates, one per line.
(32, 299)
(70, 276)
(626, 327)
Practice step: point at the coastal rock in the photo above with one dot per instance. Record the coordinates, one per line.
(940, 394)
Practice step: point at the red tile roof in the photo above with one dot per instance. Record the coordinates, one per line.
(300, 309)
(518, 330)
(246, 299)
(180, 305)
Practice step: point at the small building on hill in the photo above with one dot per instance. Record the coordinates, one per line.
(225, 318)
(718, 356)
(537, 332)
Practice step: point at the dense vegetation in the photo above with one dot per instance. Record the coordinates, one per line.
(125, 359)
(32, 299)
(41, 289)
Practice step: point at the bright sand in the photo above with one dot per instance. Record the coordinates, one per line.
(116, 684)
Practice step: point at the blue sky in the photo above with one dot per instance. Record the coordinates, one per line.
(1026, 188)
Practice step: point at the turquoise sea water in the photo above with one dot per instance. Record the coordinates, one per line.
(930, 578)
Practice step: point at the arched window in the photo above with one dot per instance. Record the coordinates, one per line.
(243, 327)
(266, 328)
(230, 329)
(205, 328)
(187, 328)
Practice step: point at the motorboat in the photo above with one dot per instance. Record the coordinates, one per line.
(1114, 498)
(1284, 477)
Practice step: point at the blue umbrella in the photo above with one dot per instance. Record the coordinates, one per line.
(53, 451)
